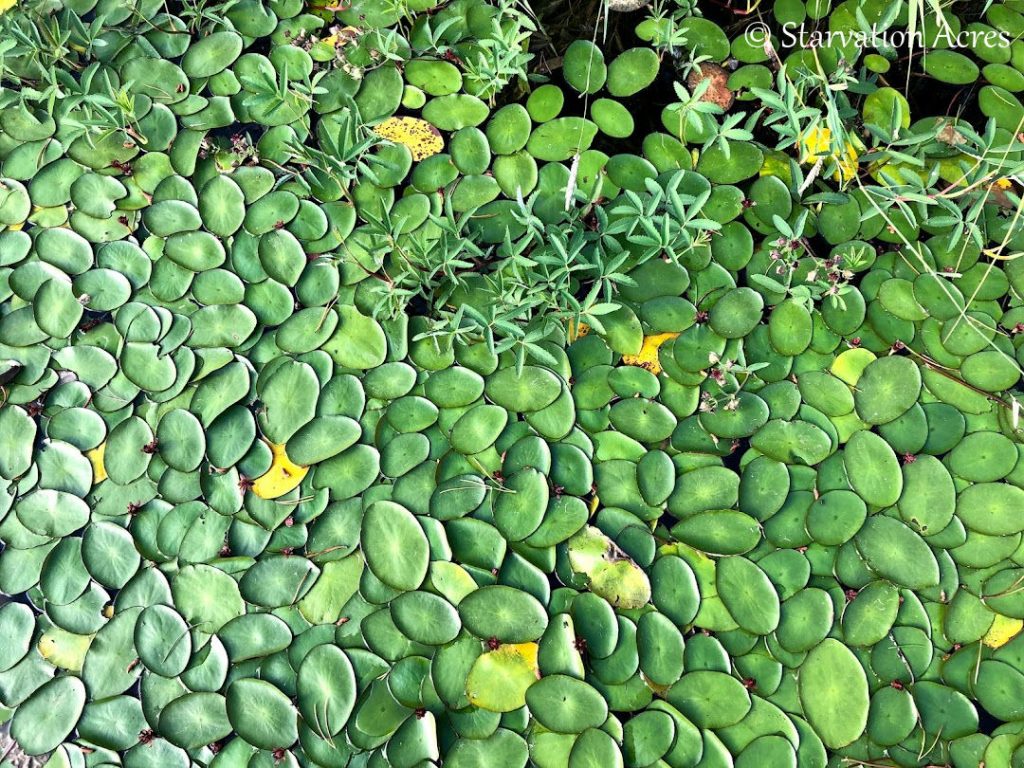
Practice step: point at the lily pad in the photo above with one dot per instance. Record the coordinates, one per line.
(834, 693)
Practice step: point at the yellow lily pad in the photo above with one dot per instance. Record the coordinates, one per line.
(816, 145)
(284, 475)
(342, 37)
(498, 679)
(850, 364)
(64, 649)
(577, 330)
(99, 471)
(422, 138)
(648, 356)
(1002, 631)
(622, 583)
(776, 163)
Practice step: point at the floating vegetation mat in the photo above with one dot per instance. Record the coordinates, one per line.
(404, 383)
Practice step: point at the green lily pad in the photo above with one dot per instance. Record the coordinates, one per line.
(834, 693)
(261, 714)
(208, 598)
(519, 511)
(561, 138)
(277, 581)
(163, 641)
(510, 615)
(327, 690)
(395, 545)
(887, 388)
(359, 341)
(991, 508)
(18, 625)
(894, 551)
(873, 469)
(632, 71)
(929, 495)
(195, 720)
(595, 749)
(648, 737)
(212, 54)
(748, 595)
(709, 698)
(530, 390)
(17, 433)
(57, 310)
(52, 513)
(584, 67)
(425, 618)
(566, 705)
(49, 715)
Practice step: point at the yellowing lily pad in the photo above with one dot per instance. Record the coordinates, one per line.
(849, 365)
(1002, 631)
(342, 37)
(64, 649)
(577, 330)
(623, 584)
(612, 574)
(648, 356)
(776, 163)
(498, 679)
(283, 475)
(816, 145)
(422, 138)
(99, 471)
